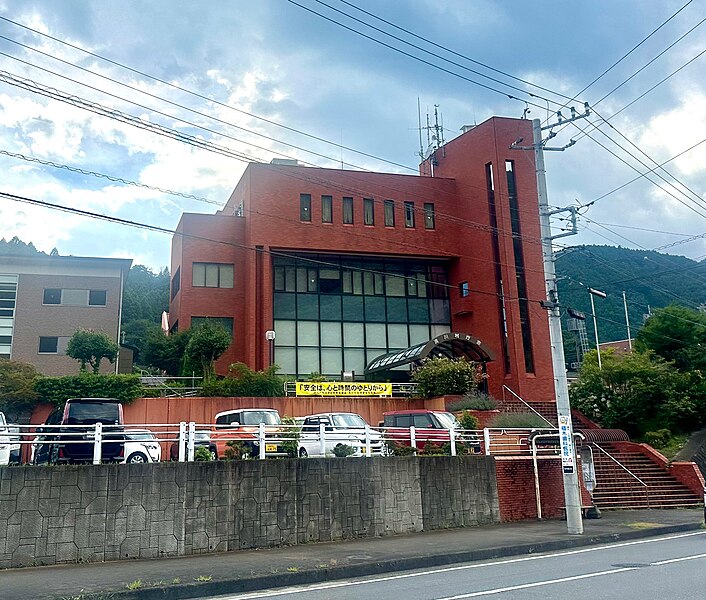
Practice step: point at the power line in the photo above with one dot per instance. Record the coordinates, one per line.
(113, 178)
(198, 95)
(158, 229)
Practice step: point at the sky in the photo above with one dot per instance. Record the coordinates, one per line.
(272, 78)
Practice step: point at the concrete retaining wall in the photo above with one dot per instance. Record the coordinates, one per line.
(52, 515)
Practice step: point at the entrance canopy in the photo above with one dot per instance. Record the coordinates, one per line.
(451, 345)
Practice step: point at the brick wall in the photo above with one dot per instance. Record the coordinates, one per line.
(516, 489)
(51, 515)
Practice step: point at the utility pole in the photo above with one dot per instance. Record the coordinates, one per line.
(572, 491)
(627, 319)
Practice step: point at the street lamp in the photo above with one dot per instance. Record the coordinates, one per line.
(600, 294)
(270, 337)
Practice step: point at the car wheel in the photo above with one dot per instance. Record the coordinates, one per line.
(137, 458)
(303, 453)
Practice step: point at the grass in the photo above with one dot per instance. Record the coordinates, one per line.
(134, 585)
(677, 442)
(203, 578)
(293, 569)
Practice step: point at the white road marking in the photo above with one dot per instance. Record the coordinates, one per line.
(675, 560)
(340, 584)
(525, 586)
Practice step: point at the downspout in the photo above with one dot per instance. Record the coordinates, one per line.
(120, 318)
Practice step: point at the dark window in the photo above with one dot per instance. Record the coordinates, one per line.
(368, 211)
(326, 209)
(409, 214)
(212, 275)
(305, 207)
(348, 210)
(48, 345)
(176, 282)
(52, 296)
(88, 413)
(389, 213)
(5, 339)
(97, 297)
(423, 420)
(429, 216)
(495, 243)
(463, 289)
(520, 277)
(226, 322)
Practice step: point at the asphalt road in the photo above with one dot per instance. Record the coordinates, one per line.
(670, 567)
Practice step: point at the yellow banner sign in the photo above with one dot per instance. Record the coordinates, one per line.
(340, 388)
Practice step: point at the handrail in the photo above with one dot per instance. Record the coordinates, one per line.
(617, 462)
(541, 416)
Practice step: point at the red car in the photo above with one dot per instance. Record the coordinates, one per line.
(431, 426)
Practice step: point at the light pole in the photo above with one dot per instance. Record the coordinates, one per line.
(270, 337)
(627, 320)
(600, 294)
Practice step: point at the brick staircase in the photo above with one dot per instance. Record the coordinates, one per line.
(513, 404)
(616, 488)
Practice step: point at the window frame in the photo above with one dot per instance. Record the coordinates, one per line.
(205, 275)
(44, 297)
(305, 208)
(389, 213)
(348, 212)
(48, 337)
(326, 209)
(463, 289)
(429, 215)
(105, 297)
(409, 214)
(368, 211)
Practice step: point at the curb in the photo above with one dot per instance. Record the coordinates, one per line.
(262, 582)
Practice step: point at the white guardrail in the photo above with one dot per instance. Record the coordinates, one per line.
(180, 441)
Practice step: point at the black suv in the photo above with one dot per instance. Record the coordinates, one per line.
(74, 444)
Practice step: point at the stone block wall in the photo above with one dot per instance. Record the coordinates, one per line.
(66, 514)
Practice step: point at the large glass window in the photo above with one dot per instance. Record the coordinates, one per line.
(409, 214)
(429, 215)
(334, 313)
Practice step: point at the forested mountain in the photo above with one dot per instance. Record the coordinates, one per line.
(650, 280)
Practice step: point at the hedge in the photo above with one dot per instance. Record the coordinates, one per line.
(57, 390)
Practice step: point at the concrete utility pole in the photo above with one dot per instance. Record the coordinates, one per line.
(572, 490)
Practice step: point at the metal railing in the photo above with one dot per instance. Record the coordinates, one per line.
(180, 441)
(541, 416)
(181, 387)
(628, 471)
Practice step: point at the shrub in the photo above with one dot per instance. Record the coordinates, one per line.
(509, 420)
(57, 390)
(343, 450)
(17, 391)
(91, 347)
(291, 437)
(441, 376)
(400, 449)
(468, 421)
(431, 449)
(475, 400)
(659, 438)
(243, 381)
(202, 454)
(235, 450)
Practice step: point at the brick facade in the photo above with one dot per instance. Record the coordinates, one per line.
(262, 216)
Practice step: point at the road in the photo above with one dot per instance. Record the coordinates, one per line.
(670, 567)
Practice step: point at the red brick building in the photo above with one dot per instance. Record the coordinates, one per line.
(346, 266)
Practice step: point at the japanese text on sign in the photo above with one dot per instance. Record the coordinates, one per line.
(568, 459)
(337, 388)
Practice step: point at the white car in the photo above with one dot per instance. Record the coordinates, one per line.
(339, 428)
(5, 441)
(141, 447)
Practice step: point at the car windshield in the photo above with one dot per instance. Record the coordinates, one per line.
(255, 417)
(348, 421)
(89, 413)
(140, 436)
(447, 420)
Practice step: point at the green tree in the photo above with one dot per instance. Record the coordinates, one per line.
(207, 343)
(678, 334)
(165, 352)
(17, 393)
(441, 376)
(91, 347)
(146, 295)
(637, 392)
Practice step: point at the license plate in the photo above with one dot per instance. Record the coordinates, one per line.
(270, 447)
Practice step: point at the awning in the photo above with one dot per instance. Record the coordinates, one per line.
(450, 345)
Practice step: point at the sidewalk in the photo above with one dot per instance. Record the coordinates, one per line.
(195, 576)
